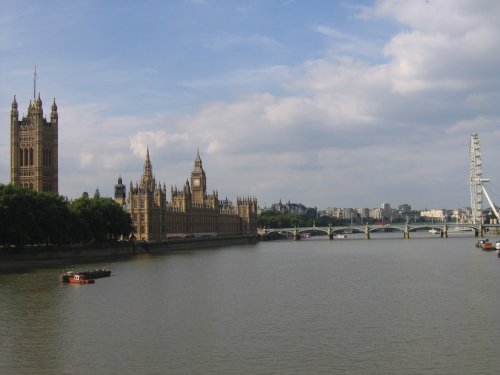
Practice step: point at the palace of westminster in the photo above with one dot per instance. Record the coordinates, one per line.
(190, 211)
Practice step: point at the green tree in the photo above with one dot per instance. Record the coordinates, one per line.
(101, 219)
(29, 217)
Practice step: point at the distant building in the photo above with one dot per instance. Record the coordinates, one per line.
(34, 147)
(190, 212)
(364, 213)
(461, 215)
(292, 209)
(436, 214)
(404, 209)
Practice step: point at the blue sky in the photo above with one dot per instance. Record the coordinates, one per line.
(328, 103)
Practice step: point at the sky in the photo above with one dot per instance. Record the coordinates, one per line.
(321, 102)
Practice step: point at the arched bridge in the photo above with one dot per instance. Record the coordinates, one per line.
(406, 229)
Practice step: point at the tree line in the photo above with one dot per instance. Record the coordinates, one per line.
(28, 217)
(271, 219)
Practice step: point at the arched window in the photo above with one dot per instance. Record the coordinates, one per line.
(25, 158)
(31, 156)
(21, 163)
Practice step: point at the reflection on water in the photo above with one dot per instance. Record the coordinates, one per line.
(384, 306)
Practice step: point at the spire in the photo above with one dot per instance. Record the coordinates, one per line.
(34, 84)
(13, 111)
(53, 113)
(148, 169)
(198, 167)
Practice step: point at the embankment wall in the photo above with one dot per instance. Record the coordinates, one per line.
(13, 259)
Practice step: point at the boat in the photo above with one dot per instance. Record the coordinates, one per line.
(497, 245)
(485, 245)
(434, 231)
(340, 236)
(78, 278)
(95, 274)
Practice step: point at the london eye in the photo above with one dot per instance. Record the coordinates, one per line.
(477, 182)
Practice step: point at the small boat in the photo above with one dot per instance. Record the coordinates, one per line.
(340, 236)
(78, 278)
(486, 245)
(497, 245)
(95, 274)
(434, 231)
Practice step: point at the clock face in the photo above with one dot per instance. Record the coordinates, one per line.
(196, 182)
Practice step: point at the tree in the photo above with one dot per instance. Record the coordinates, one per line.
(101, 219)
(29, 217)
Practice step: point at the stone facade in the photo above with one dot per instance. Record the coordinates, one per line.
(190, 211)
(34, 148)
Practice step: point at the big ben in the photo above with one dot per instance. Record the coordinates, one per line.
(198, 181)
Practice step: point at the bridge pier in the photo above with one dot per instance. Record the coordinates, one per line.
(367, 232)
(406, 233)
(296, 235)
(330, 232)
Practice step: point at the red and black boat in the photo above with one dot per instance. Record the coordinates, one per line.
(67, 277)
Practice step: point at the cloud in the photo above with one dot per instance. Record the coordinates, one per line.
(373, 122)
(450, 53)
(139, 142)
(354, 124)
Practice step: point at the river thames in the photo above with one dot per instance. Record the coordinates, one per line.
(381, 306)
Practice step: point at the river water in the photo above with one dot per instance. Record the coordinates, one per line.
(380, 306)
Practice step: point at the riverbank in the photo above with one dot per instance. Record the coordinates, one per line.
(32, 257)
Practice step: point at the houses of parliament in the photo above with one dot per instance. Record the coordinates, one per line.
(190, 212)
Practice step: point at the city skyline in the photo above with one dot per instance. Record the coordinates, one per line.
(345, 104)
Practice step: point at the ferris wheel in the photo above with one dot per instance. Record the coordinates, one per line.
(477, 182)
(476, 176)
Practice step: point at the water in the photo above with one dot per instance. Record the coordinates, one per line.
(384, 306)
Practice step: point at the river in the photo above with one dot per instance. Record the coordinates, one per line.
(382, 306)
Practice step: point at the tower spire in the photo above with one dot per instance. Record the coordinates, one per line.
(34, 83)
(148, 170)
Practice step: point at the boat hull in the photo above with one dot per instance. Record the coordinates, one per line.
(96, 274)
(80, 281)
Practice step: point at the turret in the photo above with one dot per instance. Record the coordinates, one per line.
(120, 192)
(37, 106)
(53, 113)
(14, 114)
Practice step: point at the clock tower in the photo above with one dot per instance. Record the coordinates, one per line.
(198, 181)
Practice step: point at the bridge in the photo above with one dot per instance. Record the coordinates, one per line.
(443, 229)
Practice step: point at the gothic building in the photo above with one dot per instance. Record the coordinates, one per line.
(33, 147)
(190, 211)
